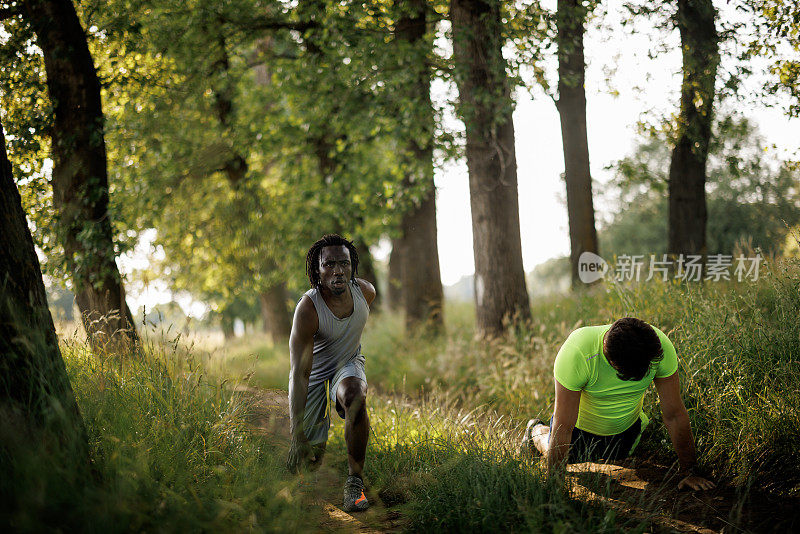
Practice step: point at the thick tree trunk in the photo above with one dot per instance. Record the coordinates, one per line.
(80, 177)
(366, 269)
(486, 107)
(687, 171)
(227, 328)
(275, 312)
(421, 280)
(570, 19)
(34, 387)
(394, 282)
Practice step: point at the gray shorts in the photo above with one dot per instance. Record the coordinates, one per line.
(321, 396)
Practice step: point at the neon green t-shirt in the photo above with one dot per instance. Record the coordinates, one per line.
(608, 405)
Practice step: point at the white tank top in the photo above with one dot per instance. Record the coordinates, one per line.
(337, 341)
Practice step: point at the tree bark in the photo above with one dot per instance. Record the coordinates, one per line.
(80, 176)
(394, 289)
(486, 107)
(571, 104)
(34, 387)
(366, 268)
(687, 171)
(226, 322)
(275, 312)
(420, 277)
(423, 297)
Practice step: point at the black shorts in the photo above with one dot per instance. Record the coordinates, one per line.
(588, 447)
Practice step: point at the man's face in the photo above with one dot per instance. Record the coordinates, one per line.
(335, 268)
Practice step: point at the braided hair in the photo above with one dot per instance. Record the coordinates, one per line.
(328, 240)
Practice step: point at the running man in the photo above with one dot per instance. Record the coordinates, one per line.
(327, 367)
(601, 375)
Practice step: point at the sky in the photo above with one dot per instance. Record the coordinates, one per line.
(623, 86)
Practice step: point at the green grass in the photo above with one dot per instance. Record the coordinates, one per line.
(169, 452)
(738, 346)
(739, 352)
(456, 470)
(254, 358)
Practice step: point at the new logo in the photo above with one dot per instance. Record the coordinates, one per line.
(591, 267)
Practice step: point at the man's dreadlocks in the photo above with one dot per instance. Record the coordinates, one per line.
(329, 240)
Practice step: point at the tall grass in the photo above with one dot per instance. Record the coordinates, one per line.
(256, 357)
(457, 470)
(738, 346)
(169, 451)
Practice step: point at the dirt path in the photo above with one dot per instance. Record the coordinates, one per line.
(632, 488)
(322, 489)
(648, 491)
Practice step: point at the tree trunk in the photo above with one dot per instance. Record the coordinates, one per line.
(486, 107)
(226, 322)
(420, 282)
(80, 177)
(275, 312)
(687, 170)
(34, 387)
(421, 279)
(571, 104)
(394, 285)
(366, 269)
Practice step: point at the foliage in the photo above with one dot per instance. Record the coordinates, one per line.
(301, 100)
(777, 38)
(27, 118)
(307, 101)
(752, 197)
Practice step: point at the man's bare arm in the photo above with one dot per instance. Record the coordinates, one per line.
(301, 357)
(676, 419)
(367, 289)
(564, 417)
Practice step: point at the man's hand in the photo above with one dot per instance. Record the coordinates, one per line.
(695, 483)
(300, 454)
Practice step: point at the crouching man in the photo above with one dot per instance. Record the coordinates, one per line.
(601, 375)
(327, 367)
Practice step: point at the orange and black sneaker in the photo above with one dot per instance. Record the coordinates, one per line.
(354, 498)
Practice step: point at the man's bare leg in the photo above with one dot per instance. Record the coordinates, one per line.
(352, 395)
